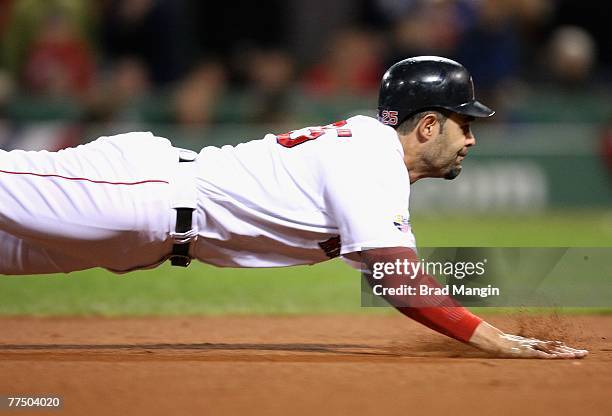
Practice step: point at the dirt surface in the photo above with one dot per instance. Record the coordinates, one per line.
(342, 365)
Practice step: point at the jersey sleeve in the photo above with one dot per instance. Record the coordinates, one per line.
(367, 192)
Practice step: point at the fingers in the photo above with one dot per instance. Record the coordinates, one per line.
(563, 351)
(568, 352)
(522, 347)
(516, 346)
(556, 349)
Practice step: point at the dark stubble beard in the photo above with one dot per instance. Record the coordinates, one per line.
(453, 173)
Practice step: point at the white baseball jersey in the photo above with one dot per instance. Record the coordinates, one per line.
(303, 197)
(294, 198)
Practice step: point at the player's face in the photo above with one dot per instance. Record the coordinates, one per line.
(452, 145)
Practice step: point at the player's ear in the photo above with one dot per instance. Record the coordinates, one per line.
(427, 127)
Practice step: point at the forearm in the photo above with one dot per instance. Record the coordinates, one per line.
(438, 312)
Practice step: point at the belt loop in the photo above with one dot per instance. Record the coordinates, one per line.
(184, 180)
(184, 202)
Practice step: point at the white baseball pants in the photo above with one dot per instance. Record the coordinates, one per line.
(103, 204)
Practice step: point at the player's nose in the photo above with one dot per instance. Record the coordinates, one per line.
(470, 139)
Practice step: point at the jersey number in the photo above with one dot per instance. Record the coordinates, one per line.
(286, 140)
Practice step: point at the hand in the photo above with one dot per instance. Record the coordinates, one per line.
(515, 346)
(490, 339)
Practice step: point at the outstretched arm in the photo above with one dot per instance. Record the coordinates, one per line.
(444, 315)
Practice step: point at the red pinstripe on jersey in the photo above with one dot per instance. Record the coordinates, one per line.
(51, 175)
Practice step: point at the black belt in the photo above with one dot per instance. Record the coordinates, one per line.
(180, 252)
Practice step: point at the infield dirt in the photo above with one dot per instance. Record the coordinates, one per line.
(341, 365)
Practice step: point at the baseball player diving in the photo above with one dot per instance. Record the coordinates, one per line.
(133, 201)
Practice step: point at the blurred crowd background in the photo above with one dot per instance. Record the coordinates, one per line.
(73, 68)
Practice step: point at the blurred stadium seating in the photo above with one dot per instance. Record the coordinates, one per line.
(202, 74)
